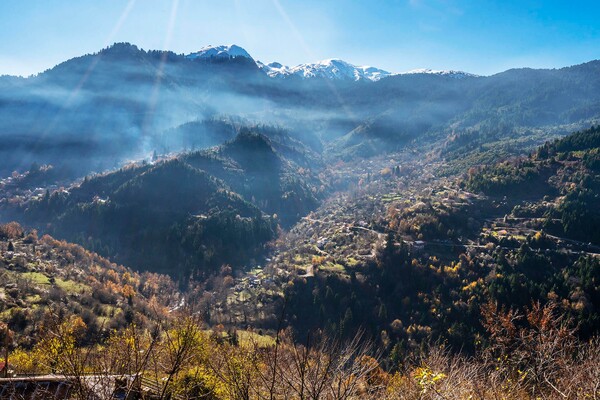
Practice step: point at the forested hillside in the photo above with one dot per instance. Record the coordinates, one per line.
(44, 279)
(561, 180)
(186, 215)
(415, 262)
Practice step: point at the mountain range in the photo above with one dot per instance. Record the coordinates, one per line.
(332, 68)
(94, 112)
(323, 199)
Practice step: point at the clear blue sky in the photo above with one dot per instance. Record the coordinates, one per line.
(477, 36)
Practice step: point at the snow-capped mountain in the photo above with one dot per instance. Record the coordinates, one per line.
(451, 73)
(222, 51)
(332, 68)
(329, 69)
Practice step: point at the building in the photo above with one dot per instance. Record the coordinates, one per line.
(418, 246)
(63, 387)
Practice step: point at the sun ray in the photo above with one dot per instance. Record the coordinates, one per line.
(149, 119)
(107, 42)
(96, 59)
(75, 91)
(310, 53)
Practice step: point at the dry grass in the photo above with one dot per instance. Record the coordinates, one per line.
(445, 376)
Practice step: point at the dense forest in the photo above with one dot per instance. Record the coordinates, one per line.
(445, 254)
(186, 215)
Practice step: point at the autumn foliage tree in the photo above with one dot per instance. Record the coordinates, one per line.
(534, 348)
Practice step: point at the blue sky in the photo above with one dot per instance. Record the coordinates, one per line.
(477, 36)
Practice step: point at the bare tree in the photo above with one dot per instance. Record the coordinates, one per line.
(319, 368)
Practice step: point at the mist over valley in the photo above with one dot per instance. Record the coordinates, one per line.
(229, 220)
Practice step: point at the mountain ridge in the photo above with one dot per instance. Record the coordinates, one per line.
(125, 103)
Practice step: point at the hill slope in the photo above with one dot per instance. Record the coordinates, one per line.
(186, 215)
(559, 184)
(45, 276)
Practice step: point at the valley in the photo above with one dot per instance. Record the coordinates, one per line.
(252, 205)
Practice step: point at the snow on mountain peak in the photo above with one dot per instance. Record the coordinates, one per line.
(451, 73)
(332, 68)
(222, 51)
